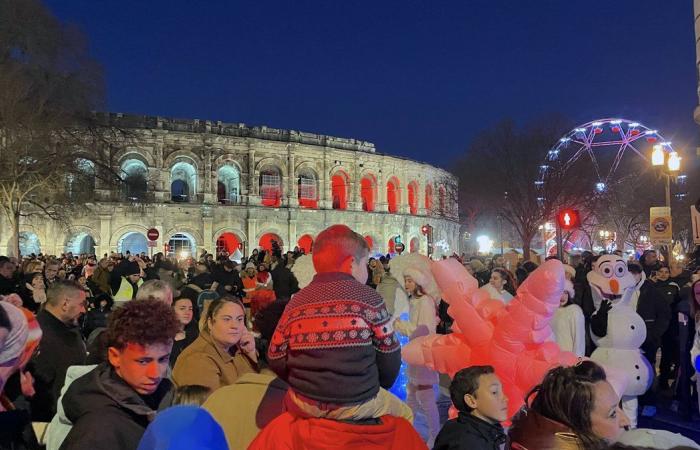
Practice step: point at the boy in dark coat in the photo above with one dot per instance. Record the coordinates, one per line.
(478, 395)
(111, 406)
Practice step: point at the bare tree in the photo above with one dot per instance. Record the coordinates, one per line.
(52, 147)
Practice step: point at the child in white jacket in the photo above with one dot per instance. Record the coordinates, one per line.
(422, 321)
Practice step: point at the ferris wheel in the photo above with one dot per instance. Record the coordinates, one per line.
(603, 152)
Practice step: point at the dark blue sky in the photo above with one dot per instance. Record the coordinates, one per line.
(417, 78)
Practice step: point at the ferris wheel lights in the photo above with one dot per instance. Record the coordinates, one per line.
(616, 122)
(667, 144)
(600, 187)
(597, 124)
(564, 139)
(615, 129)
(539, 183)
(634, 124)
(634, 132)
(544, 167)
(580, 130)
(597, 130)
(650, 132)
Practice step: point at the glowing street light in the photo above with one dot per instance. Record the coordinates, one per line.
(674, 161)
(485, 244)
(657, 156)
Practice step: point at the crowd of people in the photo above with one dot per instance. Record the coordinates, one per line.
(128, 352)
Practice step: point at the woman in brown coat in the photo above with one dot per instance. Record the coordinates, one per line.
(575, 408)
(224, 350)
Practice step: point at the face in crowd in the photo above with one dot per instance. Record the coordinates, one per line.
(358, 267)
(227, 326)
(608, 421)
(183, 310)
(489, 402)
(497, 280)
(72, 306)
(141, 367)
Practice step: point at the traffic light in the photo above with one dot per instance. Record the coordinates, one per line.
(427, 231)
(568, 219)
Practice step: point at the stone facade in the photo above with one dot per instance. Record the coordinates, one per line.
(206, 179)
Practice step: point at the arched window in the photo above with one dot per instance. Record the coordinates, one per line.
(266, 240)
(393, 196)
(307, 188)
(270, 186)
(182, 246)
(339, 191)
(442, 205)
(81, 244)
(183, 182)
(227, 243)
(135, 175)
(413, 197)
(228, 185)
(306, 243)
(29, 243)
(132, 242)
(414, 246)
(368, 189)
(80, 182)
(428, 199)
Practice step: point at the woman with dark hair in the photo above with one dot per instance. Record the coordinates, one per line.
(501, 285)
(574, 408)
(224, 350)
(184, 311)
(33, 292)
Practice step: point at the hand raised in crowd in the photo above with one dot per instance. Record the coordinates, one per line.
(247, 345)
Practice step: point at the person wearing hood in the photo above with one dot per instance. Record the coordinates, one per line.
(33, 292)
(126, 391)
(126, 284)
(18, 339)
(650, 262)
(420, 393)
(183, 427)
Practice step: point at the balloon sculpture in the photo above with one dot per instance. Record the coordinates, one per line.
(515, 339)
(626, 330)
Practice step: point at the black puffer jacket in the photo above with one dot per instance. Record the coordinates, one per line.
(467, 432)
(107, 413)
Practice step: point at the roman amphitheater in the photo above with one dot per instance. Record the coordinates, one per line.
(216, 186)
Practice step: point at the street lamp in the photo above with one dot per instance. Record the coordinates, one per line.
(670, 166)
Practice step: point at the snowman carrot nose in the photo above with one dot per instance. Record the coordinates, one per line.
(614, 286)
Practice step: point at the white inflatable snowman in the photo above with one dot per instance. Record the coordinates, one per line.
(626, 331)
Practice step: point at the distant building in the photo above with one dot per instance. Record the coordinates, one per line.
(216, 187)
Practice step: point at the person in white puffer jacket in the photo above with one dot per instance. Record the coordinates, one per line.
(423, 320)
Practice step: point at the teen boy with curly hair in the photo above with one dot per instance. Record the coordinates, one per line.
(111, 406)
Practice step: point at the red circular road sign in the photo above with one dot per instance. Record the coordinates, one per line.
(152, 234)
(399, 247)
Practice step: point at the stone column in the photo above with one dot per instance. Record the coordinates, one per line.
(252, 233)
(291, 234)
(208, 243)
(253, 194)
(106, 235)
(292, 194)
(323, 183)
(209, 180)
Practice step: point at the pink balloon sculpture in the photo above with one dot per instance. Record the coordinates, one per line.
(515, 339)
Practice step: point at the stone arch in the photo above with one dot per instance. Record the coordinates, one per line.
(184, 229)
(182, 244)
(264, 239)
(145, 154)
(74, 236)
(307, 186)
(375, 244)
(393, 194)
(340, 190)
(270, 183)
(184, 176)
(271, 161)
(182, 155)
(305, 242)
(414, 245)
(442, 200)
(119, 233)
(229, 229)
(29, 242)
(428, 198)
(368, 191)
(134, 171)
(413, 197)
(228, 183)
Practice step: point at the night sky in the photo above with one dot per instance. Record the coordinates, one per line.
(419, 79)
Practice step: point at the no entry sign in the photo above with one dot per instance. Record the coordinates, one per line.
(152, 234)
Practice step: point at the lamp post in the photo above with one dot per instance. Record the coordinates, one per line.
(670, 166)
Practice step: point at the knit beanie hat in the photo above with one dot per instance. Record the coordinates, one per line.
(14, 344)
(182, 428)
(131, 268)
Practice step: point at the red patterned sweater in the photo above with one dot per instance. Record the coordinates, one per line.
(335, 342)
